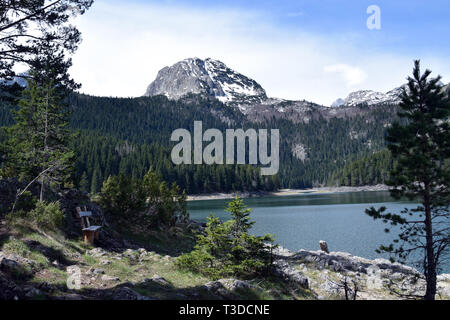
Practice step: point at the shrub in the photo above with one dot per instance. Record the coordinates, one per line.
(149, 200)
(47, 215)
(121, 195)
(226, 249)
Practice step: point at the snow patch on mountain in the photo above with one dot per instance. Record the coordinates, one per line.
(20, 79)
(339, 102)
(210, 77)
(370, 98)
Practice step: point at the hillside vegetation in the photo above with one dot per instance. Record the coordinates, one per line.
(130, 135)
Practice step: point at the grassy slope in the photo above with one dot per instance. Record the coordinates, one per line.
(52, 254)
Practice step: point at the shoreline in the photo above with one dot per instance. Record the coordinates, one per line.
(286, 192)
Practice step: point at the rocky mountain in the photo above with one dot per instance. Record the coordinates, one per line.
(339, 102)
(19, 79)
(210, 77)
(214, 79)
(369, 97)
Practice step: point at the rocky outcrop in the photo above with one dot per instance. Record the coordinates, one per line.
(126, 293)
(342, 261)
(287, 273)
(12, 263)
(325, 273)
(8, 289)
(227, 288)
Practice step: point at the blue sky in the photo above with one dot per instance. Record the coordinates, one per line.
(314, 50)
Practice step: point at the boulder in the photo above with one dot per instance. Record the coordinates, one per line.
(126, 293)
(99, 271)
(32, 292)
(12, 263)
(105, 262)
(444, 277)
(227, 287)
(8, 289)
(97, 252)
(131, 254)
(109, 278)
(286, 272)
(156, 279)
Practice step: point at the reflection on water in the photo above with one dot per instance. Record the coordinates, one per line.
(301, 221)
(300, 200)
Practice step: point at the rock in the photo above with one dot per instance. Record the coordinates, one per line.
(97, 252)
(227, 287)
(283, 270)
(109, 278)
(444, 290)
(443, 277)
(8, 289)
(99, 271)
(342, 261)
(90, 271)
(8, 265)
(156, 279)
(71, 296)
(131, 254)
(208, 76)
(47, 287)
(105, 262)
(73, 269)
(330, 288)
(323, 246)
(31, 292)
(11, 263)
(126, 293)
(280, 251)
(232, 284)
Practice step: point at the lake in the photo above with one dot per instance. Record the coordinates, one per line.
(301, 221)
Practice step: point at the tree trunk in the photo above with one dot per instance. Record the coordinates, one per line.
(430, 267)
(41, 196)
(45, 143)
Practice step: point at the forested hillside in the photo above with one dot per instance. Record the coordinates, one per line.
(369, 170)
(130, 135)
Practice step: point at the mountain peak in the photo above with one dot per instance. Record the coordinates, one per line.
(369, 97)
(210, 77)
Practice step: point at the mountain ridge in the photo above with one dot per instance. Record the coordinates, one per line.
(214, 79)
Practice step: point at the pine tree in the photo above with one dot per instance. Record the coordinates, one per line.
(84, 183)
(240, 215)
(422, 149)
(96, 180)
(40, 23)
(38, 142)
(227, 249)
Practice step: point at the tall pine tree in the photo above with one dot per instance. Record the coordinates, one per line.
(422, 149)
(38, 142)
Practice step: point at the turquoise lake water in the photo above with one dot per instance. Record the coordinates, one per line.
(301, 221)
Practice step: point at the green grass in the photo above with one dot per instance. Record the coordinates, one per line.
(18, 247)
(181, 284)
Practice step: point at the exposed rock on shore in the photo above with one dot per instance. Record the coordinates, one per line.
(377, 279)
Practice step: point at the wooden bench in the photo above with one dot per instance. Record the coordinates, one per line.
(90, 233)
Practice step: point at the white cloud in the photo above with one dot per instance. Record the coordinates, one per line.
(126, 45)
(352, 75)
